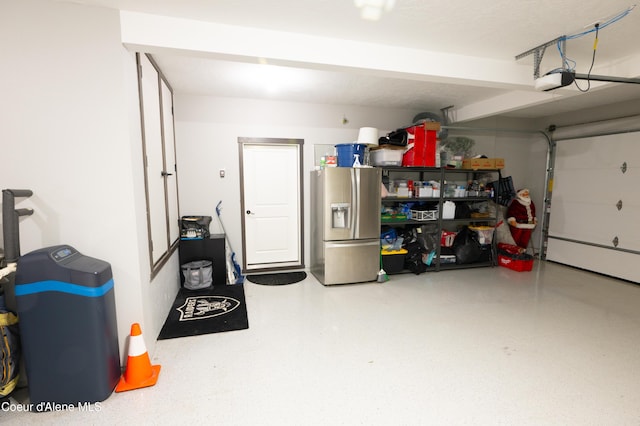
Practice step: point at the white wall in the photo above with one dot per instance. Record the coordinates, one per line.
(207, 131)
(524, 149)
(69, 134)
(157, 295)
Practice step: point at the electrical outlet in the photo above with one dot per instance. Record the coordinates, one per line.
(222, 173)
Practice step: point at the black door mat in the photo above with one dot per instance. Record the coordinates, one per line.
(277, 279)
(194, 312)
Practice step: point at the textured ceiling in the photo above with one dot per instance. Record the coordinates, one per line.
(499, 30)
(238, 79)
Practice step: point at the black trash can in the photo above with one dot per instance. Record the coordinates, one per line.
(68, 328)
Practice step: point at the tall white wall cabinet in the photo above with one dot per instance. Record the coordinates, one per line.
(158, 144)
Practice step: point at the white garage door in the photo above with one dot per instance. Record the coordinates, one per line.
(596, 205)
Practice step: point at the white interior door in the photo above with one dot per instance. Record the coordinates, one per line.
(271, 203)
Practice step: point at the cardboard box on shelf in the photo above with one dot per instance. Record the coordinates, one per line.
(432, 125)
(476, 163)
(483, 163)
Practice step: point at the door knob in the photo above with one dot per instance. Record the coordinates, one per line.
(163, 173)
(249, 212)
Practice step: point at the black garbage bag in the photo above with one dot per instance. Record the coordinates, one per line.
(409, 235)
(430, 239)
(467, 248)
(414, 243)
(413, 260)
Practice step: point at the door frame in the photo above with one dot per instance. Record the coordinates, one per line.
(242, 141)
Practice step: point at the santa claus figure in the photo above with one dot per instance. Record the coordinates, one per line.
(521, 217)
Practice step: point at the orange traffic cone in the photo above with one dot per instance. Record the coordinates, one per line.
(139, 372)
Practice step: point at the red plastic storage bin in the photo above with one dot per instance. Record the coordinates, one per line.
(423, 152)
(520, 265)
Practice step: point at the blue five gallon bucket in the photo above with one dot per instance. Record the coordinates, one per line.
(347, 151)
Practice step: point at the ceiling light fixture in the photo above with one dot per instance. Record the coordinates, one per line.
(371, 10)
(271, 79)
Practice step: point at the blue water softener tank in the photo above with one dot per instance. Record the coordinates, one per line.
(67, 314)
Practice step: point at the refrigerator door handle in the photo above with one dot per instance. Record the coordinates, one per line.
(362, 243)
(355, 201)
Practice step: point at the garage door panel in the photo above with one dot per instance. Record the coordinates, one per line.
(609, 262)
(595, 202)
(605, 185)
(596, 223)
(570, 217)
(598, 151)
(626, 228)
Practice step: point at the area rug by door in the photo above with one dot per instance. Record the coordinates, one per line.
(195, 312)
(278, 278)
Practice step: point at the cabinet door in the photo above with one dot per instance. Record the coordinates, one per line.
(170, 169)
(154, 162)
(156, 111)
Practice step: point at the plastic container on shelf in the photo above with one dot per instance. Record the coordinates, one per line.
(393, 260)
(425, 191)
(347, 153)
(402, 188)
(386, 157)
(448, 210)
(484, 234)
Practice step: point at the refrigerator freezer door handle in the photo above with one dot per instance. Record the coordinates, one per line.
(361, 243)
(355, 201)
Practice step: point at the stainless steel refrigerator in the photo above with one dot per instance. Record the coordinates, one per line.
(345, 224)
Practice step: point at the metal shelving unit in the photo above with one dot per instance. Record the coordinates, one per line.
(442, 175)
